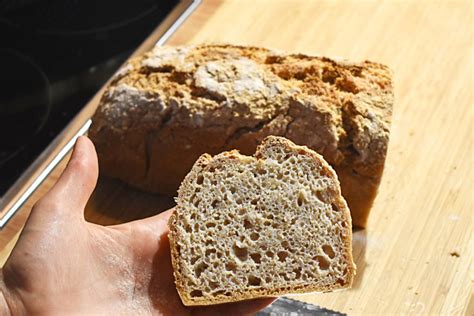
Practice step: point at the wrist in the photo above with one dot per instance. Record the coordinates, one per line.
(10, 304)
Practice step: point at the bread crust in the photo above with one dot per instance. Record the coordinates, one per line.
(168, 106)
(207, 161)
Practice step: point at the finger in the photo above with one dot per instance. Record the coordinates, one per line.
(157, 223)
(249, 307)
(77, 182)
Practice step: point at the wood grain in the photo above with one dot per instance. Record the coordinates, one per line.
(415, 257)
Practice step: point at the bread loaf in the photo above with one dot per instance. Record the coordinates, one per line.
(169, 106)
(247, 227)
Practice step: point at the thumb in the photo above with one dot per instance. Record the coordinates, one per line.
(75, 185)
(157, 223)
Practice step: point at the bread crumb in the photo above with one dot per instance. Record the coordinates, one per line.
(455, 254)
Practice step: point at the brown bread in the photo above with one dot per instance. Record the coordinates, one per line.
(248, 227)
(166, 108)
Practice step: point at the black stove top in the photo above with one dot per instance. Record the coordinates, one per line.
(54, 56)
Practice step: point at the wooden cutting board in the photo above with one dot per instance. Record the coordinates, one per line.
(415, 255)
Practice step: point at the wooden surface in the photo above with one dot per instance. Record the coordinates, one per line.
(416, 254)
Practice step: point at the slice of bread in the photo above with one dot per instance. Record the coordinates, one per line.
(248, 227)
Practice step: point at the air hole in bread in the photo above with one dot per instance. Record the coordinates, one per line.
(269, 254)
(334, 207)
(323, 263)
(297, 272)
(226, 221)
(234, 280)
(200, 268)
(196, 293)
(210, 224)
(242, 211)
(282, 255)
(200, 179)
(320, 196)
(254, 202)
(254, 236)
(214, 203)
(256, 257)
(341, 282)
(241, 253)
(301, 198)
(285, 244)
(231, 266)
(194, 259)
(329, 251)
(247, 224)
(285, 276)
(254, 281)
(209, 251)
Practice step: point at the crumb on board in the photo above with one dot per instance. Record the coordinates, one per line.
(455, 254)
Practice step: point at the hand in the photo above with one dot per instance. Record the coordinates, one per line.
(65, 265)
